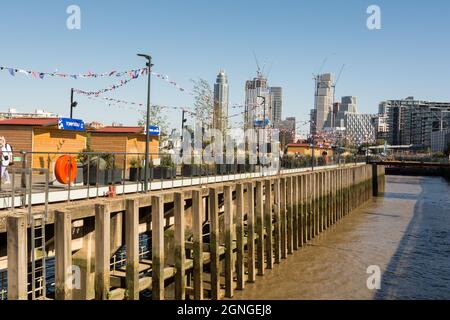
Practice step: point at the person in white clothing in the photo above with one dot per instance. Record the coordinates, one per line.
(6, 160)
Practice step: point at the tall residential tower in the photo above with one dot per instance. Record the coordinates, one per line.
(221, 97)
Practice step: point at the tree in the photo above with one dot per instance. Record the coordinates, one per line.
(157, 118)
(203, 102)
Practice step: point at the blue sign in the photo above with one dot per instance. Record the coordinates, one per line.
(154, 131)
(260, 123)
(70, 124)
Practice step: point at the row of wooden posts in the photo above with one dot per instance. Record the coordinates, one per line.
(265, 221)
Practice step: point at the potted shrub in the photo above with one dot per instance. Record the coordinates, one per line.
(95, 171)
(137, 170)
(221, 168)
(113, 174)
(231, 168)
(207, 170)
(82, 162)
(190, 170)
(166, 170)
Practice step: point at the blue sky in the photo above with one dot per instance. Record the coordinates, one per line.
(196, 38)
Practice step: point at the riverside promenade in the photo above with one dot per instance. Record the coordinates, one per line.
(201, 241)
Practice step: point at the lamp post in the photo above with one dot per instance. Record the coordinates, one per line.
(147, 131)
(313, 144)
(73, 104)
(264, 124)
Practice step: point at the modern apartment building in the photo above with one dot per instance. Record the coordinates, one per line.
(277, 104)
(412, 122)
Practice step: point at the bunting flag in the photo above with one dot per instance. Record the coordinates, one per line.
(121, 83)
(89, 74)
(134, 105)
(171, 82)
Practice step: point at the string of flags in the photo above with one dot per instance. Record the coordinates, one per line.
(89, 74)
(133, 105)
(173, 83)
(108, 89)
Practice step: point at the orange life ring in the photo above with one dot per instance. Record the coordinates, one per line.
(63, 165)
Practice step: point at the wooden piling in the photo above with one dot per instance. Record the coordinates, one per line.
(321, 201)
(132, 243)
(158, 247)
(283, 218)
(249, 208)
(84, 261)
(16, 228)
(259, 212)
(63, 256)
(240, 271)
(214, 243)
(277, 222)
(102, 253)
(303, 190)
(197, 226)
(309, 205)
(300, 207)
(317, 203)
(290, 225)
(294, 213)
(180, 254)
(328, 198)
(229, 235)
(268, 218)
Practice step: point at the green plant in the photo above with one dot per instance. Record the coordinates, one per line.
(135, 163)
(166, 162)
(109, 159)
(82, 156)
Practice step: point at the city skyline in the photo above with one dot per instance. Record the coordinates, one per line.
(387, 74)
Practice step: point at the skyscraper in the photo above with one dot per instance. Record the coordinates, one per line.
(258, 103)
(321, 116)
(348, 105)
(277, 104)
(221, 97)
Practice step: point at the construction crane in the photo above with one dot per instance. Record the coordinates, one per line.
(259, 72)
(336, 82)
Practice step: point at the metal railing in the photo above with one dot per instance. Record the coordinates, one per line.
(410, 158)
(108, 173)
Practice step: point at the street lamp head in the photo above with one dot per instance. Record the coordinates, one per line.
(146, 56)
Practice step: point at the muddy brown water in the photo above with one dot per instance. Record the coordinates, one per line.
(406, 233)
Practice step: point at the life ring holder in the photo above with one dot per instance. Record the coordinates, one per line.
(63, 166)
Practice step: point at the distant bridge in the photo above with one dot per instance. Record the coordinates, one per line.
(417, 164)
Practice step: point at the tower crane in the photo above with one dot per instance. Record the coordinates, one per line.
(336, 82)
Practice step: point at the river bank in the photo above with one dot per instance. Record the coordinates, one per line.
(405, 233)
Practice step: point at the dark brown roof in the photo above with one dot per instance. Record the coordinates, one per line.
(135, 130)
(38, 122)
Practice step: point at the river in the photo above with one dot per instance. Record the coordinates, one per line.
(406, 233)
